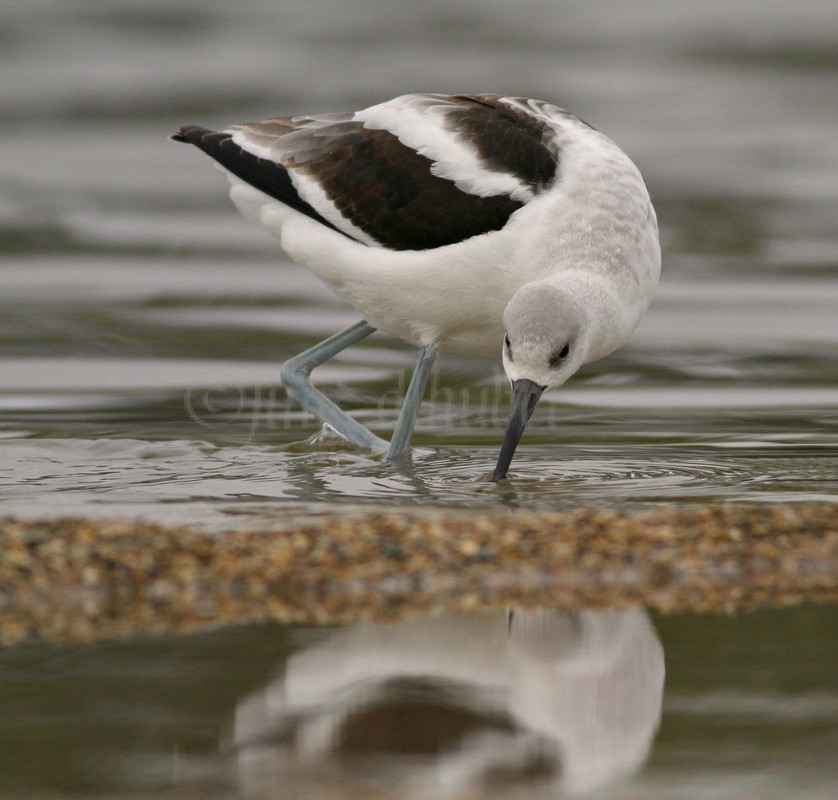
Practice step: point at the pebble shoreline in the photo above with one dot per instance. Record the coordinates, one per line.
(78, 580)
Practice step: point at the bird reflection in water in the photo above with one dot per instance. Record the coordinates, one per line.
(483, 705)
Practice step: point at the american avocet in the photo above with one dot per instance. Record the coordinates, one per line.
(461, 223)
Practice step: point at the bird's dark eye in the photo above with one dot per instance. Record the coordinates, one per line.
(560, 355)
(508, 345)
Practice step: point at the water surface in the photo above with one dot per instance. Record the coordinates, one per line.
(525, 704)
(142, 325)
(142, 322)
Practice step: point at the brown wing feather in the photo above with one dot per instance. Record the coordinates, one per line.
(380, 185)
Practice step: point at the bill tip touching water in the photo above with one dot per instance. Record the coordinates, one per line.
(471, 224)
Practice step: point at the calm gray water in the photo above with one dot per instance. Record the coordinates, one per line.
(142, 325)
(143, 322)
(533, 706)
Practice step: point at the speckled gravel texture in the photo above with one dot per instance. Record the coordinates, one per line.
(80, 580)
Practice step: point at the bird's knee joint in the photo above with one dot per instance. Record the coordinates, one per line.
(294, 374)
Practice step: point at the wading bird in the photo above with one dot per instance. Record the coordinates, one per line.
(462, 223)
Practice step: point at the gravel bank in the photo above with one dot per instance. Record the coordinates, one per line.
(80, 580)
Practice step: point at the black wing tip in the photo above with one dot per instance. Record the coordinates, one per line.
(190, 134)
(263, 174)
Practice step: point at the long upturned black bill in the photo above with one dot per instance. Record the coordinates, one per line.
(525, 395)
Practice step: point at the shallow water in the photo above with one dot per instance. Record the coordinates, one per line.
(527, 704)
(142, 322)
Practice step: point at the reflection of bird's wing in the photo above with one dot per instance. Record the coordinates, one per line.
(344, 671)
(468, 650)
(416, 172)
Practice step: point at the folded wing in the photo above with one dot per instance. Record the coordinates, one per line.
(417, 172)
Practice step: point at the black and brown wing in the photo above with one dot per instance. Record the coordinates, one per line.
(418, 172)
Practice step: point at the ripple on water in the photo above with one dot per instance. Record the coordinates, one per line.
(605, 475)
(202, 483)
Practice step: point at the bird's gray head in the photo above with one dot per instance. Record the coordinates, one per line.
(544, 344)
(544, 339)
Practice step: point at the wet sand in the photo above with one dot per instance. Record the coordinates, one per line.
(81, 580)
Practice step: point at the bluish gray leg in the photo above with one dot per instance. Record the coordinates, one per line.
(400, 442)
(295, 378)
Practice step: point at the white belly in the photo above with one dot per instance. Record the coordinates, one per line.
(452, 297)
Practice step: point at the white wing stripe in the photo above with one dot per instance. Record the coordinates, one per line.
(243, 139)
(415, 121)
(312, 192)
